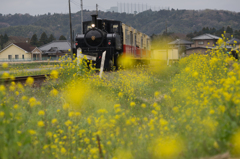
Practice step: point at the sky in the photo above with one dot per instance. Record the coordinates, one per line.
(35, 7)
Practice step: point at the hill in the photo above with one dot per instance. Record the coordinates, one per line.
(178, 21)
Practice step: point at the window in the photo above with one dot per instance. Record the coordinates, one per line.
(115, 28)
(16, 57)
(9, 57)
(141, 42)
(200, 43)
(22, 56)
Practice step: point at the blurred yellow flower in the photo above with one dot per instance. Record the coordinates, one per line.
(5, 75)
(54, 121)
(235, 140)
(63, 151)
(30, 81)
(166, 147)
(66, 106)
(54, 92)
(41, 124)
(5, 65)
(32, 132)
(132, 104)
(41, 113)
(1, 114)
(15, 106)
(54, 74)
(32, 102)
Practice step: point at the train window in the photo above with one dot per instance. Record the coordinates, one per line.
(89, 27)
(115, 28)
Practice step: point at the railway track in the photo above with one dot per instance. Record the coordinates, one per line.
(38, 79)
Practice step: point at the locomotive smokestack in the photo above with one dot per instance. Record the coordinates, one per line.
(94, 19)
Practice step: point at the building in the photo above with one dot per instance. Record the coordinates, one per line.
(202, 43)
(20, 52)
(55, 49)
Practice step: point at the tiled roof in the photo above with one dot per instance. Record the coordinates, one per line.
(231, 42)
(180, 42)
(25, 46)
(59, 44)
(206, 37)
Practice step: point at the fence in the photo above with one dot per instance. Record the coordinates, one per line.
(33, 59)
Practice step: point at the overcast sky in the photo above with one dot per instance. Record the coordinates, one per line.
(35, 7)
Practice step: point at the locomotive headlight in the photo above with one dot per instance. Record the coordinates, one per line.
(93, 25)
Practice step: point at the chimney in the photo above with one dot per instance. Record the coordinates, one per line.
(94, 19)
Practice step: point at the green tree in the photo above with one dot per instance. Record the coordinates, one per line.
(1, 42)
(62, 37)
(34, 40)
(51, 38)
(5, 38)
(229, 30)
(43, 39)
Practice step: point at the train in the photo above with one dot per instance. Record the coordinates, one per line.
(114, 37)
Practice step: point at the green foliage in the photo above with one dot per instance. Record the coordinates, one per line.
(51, 38)
(62, 37)
(34, 40)
(183, 21)
(43, 39)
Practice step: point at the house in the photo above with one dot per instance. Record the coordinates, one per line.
(202, 43)
(20, 52)
(205, 40)
(55, 49)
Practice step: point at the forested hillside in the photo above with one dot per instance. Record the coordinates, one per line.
(149, 22)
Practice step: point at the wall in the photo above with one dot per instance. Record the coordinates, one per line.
(14, 50)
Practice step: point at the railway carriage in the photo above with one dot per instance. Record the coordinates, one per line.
(114, 37)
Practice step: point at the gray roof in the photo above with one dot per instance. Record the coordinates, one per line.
(59, 44)
(180, 42)
(193, 48)
(231, 42)
(206, 37)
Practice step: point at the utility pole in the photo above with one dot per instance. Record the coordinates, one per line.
(97, 9)
(70, 20)
(81, 17)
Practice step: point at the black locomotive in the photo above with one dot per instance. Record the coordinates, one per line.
(101, 35)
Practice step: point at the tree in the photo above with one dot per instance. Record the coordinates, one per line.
(51, 38)
(43, 39)
(1, 41)
(62, 37)
(229, 30)
(34, 40)
(5, 38)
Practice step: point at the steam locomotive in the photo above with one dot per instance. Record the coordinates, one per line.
(115, 38)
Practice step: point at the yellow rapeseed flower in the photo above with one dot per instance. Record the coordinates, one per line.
(29, 81)
(235, 141)
(5, 65)
(5, 75)
(54, 92)
(41, 124)
(1, 114)
(63, 151)
(41, 113)
(132, 104)
(54, 74)
(143, 105)
(2, 88)
(54, 121)
(66, 106)
(32, 102)
(15, 106)
(32, 132)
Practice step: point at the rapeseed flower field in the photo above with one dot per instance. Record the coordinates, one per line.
(188, 110)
